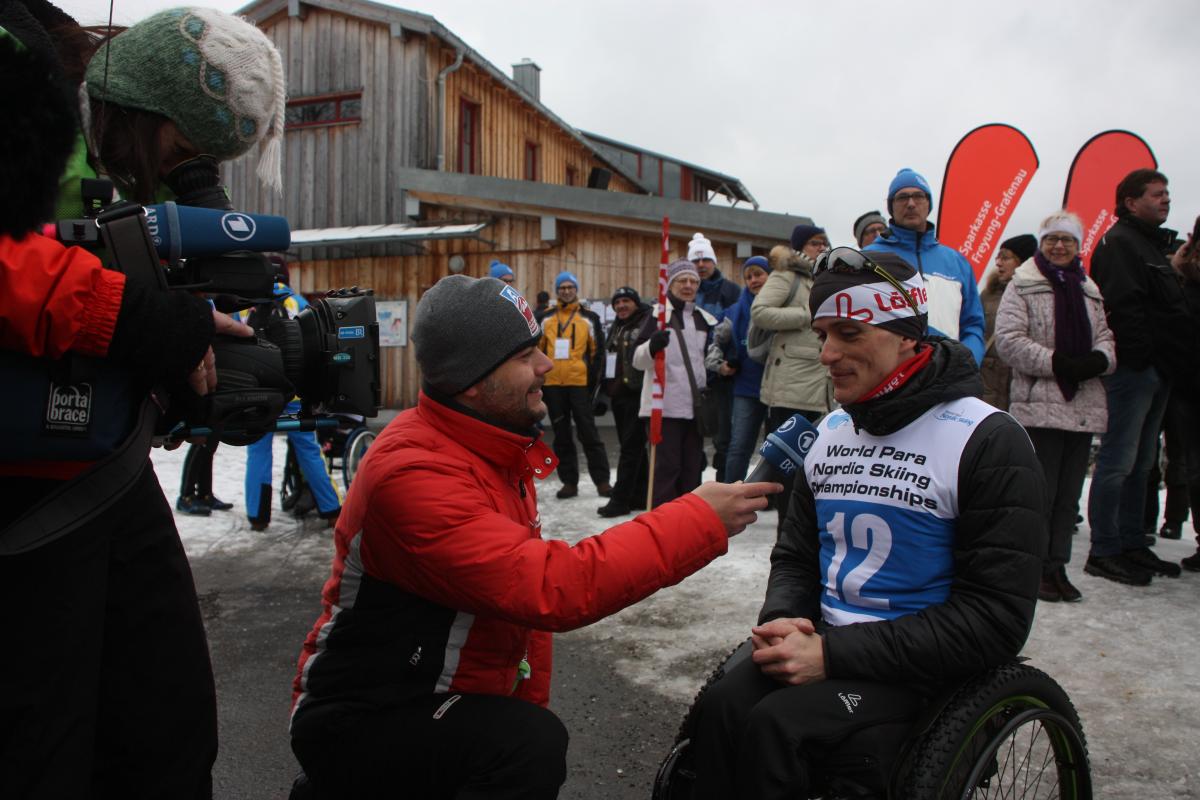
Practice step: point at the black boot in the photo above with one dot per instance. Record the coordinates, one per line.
(1048, 591)
(1145, 559)
(1171, 530)
(1192, 562)
(1066, 589)
(615, 508)
(1116, 568)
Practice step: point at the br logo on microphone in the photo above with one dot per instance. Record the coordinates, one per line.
(238, 226)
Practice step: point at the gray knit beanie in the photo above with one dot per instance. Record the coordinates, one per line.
(216, 76)
(466, 327)
(681, 267)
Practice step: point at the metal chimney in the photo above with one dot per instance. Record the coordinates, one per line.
(527, 75)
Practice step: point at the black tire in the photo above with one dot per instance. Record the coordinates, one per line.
(293, 481)
(1010, 733)
(675, 775)
(294, 494)
(357, 444)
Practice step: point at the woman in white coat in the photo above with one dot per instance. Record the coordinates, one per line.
(1051, 329)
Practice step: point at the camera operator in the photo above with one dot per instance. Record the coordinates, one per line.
(106, 687)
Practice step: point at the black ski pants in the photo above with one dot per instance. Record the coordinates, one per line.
(633, 464)
(438, 747)
(565, 403)
(758, 738)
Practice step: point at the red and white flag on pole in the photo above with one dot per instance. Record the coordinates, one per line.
(660, 364)
(986, 174)
(1091, 192)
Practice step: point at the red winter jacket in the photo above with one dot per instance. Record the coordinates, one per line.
(55, 298)
(441, 579)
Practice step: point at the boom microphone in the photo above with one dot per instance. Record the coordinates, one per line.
(191, 231)
(783, 451)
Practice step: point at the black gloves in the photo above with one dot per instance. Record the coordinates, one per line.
(659, 341)
(600, 408)
(1078, 368)
(162, 334)
(1092, 365)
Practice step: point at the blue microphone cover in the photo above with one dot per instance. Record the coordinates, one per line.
(784, 449)
(190, 231)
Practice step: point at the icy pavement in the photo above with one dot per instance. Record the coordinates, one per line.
(1128, 657)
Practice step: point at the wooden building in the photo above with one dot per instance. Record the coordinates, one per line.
(408, 156)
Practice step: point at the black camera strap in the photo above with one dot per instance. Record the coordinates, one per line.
(82, 499)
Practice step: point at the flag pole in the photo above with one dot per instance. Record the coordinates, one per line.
(660, 365)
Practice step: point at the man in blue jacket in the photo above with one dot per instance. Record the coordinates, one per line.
(955, 310)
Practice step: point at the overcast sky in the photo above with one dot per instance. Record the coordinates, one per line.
(815, 105)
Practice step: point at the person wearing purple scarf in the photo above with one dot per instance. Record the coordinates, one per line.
(1051, 330)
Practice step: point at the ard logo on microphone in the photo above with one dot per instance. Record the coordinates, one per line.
(238, 226)
(69, 408)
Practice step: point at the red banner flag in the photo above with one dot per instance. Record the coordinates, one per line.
(986, 174)
(660, 363)
(1091, 192)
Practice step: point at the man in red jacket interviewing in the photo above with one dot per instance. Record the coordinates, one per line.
(429, 669)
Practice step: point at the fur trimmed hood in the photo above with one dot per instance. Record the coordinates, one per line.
(782, 257)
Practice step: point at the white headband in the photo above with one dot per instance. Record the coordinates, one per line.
(875, 303)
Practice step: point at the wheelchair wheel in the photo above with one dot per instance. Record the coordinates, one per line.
(677, 774)
(357, 443)
(1010, 733)
(294, 494)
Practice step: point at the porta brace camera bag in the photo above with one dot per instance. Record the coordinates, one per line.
(80, 409)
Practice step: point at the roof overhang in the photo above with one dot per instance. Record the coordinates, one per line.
(620, 210)
(382, 234)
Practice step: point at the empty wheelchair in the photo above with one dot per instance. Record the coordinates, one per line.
(1010, 732)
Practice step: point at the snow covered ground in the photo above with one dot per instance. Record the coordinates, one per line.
(1128, 657)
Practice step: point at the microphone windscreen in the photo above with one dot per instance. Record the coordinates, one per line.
(785, 447)
(191, 231)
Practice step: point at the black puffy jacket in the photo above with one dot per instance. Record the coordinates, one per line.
(1146, 308)
(999, 545)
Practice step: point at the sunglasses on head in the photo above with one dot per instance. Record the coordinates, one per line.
(848, 261)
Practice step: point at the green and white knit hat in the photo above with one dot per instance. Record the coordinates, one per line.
(216, 76)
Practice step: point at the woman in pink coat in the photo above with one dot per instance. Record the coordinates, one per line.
(1051, 330)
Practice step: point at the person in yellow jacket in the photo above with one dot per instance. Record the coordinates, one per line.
(573, 337)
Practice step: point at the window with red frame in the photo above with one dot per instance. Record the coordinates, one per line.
(532, 156)
(342, 108)
(468, 137)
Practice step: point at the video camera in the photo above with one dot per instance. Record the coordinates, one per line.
(328, 355)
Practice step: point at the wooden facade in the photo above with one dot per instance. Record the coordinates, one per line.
(509, 122)
(386, 62)
(344, 174)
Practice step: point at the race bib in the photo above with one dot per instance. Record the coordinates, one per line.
(562, 349)
(610, 365)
